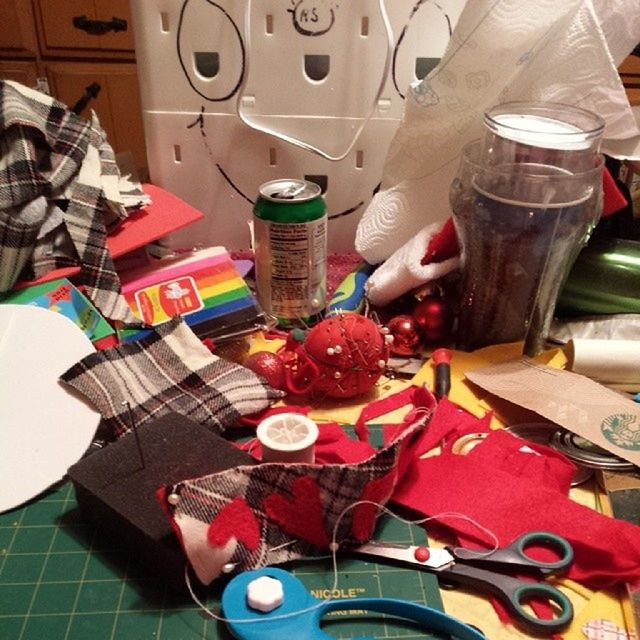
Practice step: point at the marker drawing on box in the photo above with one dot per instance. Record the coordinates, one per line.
(402, 35)
(309, 18)
(312, 18)
(199, 121)
(183, 63)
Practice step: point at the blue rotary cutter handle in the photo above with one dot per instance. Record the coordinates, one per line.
(300, 613)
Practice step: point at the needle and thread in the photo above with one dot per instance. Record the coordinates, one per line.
(134, 428)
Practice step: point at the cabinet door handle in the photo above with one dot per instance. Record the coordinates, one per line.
(99, 27)
(89, 94)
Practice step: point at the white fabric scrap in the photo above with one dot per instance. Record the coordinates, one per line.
(403, 271)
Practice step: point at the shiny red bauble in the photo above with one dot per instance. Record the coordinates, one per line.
(406, 335)
(268, 365)
(433, 318)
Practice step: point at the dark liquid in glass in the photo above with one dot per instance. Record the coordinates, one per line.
(514, 259)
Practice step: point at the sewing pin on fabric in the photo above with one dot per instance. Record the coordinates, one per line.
(133, 427)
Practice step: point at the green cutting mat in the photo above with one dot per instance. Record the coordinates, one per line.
(60, 581)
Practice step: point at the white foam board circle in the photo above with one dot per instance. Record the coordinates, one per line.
(44, 426)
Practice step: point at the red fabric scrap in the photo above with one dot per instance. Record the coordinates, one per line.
(443, 245)
(235, 520)
(364, 515)
(511, 488)
(301, 516)
(612, 198)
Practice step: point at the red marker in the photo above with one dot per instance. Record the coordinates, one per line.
(441, 358)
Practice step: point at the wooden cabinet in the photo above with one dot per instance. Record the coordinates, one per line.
(78, 28)
(117, 104)
(17, 35)
(630, 74)
(73, 44)
(22, 71)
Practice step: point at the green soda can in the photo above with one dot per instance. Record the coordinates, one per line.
(290, 243)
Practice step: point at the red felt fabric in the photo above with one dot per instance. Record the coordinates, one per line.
(235, 520)
(334, 446)
(300, 517)
(612, 198)
(364, 515)
(418, 398)
(510, 492)
(443, 245)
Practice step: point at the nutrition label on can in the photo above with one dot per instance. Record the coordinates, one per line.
(291, 264)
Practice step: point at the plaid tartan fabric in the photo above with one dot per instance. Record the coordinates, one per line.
(170, 370)
(42, 145)
(85, 219)
(48, 151)
(18, 235)
(292, 509)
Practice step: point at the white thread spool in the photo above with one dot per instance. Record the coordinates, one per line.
(288, 437)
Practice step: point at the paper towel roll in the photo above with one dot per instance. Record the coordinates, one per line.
(608, 361)
(288, 437)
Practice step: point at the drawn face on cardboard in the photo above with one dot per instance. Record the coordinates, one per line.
(296, 59)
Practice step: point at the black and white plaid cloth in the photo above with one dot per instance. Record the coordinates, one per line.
(49, 156)
(169, 370)
(278, 512)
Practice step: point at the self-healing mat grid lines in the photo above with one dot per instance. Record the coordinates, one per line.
(60, 581)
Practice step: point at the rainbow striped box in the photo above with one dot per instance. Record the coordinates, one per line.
(205, 288)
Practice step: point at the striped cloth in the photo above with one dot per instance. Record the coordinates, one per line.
(53, 208)
(169, 370)
(251, 516)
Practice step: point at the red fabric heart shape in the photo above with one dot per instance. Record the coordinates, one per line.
(302, 516)
(234, 520)
(364, 515)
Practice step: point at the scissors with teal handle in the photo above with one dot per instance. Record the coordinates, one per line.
(488, 571)
(300, 613)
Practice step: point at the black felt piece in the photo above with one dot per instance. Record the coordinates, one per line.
(117, 493)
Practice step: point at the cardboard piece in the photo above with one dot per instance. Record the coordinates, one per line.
(575, 402)
(43, 427)
(204, 287)
(62, 297)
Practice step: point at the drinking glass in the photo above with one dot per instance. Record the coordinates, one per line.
(521, 220)
(547, 133)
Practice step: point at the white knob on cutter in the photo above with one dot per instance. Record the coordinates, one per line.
(265, 594)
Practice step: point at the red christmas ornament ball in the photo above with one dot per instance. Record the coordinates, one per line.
(406, 335)
(350, 352)
(433, 317)
(268, 365)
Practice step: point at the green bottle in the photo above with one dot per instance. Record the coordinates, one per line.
(605, 279)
